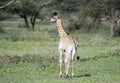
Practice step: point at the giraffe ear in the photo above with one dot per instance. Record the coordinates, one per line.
(55, 14)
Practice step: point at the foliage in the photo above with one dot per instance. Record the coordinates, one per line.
(90, 14)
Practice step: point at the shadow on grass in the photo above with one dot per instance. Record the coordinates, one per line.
(79, 75)
(93, 58)
(83, 75)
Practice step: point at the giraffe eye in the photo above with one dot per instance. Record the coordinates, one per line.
(54, 18)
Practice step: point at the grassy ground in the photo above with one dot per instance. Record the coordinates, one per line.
(32, 57)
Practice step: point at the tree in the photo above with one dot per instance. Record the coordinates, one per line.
(113, 7)
(26, 9)
(104, 9)
(3, 5)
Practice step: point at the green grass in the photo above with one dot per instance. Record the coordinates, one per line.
(32, 57)
(92, 71)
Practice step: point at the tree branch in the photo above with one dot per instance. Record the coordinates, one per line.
(7, 4)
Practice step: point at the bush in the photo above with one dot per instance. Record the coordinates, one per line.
(115, 52)
(73, 24)
(4, 15)
(117, 31)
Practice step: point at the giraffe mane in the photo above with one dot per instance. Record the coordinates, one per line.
(63, 25)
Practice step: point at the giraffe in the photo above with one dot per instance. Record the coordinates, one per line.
(66, 44)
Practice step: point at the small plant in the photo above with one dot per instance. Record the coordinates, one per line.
(115, 52)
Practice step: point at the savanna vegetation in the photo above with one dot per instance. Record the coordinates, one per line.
(28, 43)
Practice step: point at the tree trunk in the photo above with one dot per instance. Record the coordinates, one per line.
(33, 20)
(25, 19)
(26, 22)
(112, 23)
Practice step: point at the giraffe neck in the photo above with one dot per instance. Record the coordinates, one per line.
(61, 30)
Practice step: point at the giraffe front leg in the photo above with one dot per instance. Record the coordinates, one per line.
(67, 68)
(60, 61)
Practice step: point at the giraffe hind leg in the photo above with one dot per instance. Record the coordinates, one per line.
(73, 59)
(60, 60)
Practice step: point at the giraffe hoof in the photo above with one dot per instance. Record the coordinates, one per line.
(61, 76)
(72, 75)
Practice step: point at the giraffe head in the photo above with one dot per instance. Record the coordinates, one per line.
(54, 17)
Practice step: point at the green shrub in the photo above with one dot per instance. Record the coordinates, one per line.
(115, 52)
(73, 24)
(4, 15)
(117, 31)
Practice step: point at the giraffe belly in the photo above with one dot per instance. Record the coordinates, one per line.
(61, 47)
(65, 47)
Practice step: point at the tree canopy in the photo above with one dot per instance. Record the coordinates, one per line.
(83, 9)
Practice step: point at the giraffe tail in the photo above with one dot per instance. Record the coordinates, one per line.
(77, 57)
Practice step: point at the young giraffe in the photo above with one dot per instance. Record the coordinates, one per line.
(66, 45)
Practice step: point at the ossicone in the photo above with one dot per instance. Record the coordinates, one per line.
(55, 14)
